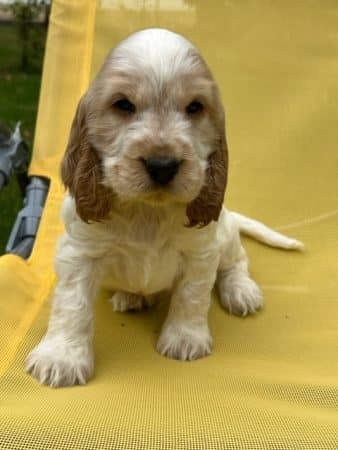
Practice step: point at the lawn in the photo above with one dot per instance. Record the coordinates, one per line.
(19, 94)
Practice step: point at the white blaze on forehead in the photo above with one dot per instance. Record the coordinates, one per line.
(156, 51)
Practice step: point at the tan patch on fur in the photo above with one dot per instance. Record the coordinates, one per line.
(82, 174)
(208, 205)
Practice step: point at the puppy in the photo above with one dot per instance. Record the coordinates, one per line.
(146, 169)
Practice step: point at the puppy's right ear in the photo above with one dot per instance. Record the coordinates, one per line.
(81, 171)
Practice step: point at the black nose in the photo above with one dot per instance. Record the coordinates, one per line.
(161, 169)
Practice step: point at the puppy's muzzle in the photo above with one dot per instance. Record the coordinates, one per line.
(161, 169)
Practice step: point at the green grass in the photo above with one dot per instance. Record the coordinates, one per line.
(19, 94)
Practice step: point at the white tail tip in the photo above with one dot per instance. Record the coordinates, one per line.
(296, 245)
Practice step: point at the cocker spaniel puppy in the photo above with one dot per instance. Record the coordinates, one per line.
(146, 168)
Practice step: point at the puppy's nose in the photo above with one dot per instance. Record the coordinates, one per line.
(161, 169)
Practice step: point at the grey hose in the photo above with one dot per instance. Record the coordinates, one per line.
(24, 248)
(27, 222)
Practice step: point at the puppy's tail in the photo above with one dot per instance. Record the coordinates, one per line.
(262, 233)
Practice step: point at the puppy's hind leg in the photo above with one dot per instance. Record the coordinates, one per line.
(126, 301)
(238, 292)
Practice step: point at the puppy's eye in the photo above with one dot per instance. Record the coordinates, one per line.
(194, 107)
(125, 106)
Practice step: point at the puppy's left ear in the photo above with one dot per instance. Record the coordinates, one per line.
(208, 205)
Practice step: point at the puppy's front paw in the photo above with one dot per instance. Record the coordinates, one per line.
(240, 295)
(181, 341)
(56, 363)
(125, 301)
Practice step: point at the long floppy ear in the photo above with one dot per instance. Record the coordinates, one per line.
(81, 171)
(208, 205)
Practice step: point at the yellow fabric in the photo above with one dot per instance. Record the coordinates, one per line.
(272, 379)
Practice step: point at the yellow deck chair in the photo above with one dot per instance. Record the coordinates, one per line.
(271, 381)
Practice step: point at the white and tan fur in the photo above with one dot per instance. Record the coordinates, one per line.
(133, 237)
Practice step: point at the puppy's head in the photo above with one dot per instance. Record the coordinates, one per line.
(149, 129)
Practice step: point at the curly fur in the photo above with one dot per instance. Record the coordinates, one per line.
(130, 235)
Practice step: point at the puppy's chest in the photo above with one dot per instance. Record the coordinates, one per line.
(142, 264)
